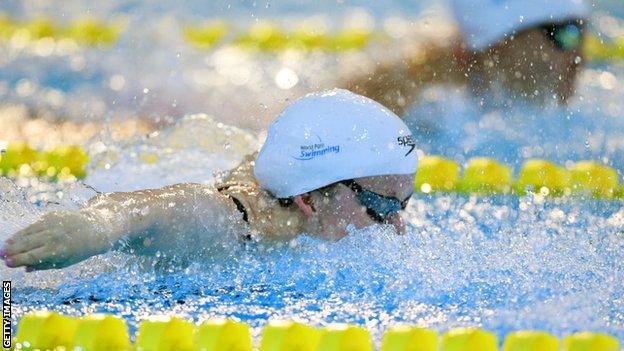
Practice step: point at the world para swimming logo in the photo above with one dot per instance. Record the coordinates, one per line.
(311, 151)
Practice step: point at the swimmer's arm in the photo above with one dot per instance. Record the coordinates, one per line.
(143, 222)
(396, 83)
(170, 220)
(132, 220)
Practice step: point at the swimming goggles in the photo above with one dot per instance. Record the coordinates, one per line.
(566, 36)
(378, 207)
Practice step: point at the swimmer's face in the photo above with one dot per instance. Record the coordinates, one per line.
(341, 207)
(532, 67)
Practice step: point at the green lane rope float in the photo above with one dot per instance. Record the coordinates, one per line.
(46, 330)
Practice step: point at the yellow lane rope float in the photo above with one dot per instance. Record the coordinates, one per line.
(99, 332)
(60, 163)
(263, 36)
(87, 31)
(486, 176)
(271, 38)
(436, 174)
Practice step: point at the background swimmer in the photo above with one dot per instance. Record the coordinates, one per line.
(532, 49)
(367, 181)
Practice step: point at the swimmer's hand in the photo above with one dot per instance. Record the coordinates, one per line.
(58, 239)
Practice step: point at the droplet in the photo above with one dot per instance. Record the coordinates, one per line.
(117, 82)
(286, 78)
(425, 188)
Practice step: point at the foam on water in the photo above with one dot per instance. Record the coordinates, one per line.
(504, 264)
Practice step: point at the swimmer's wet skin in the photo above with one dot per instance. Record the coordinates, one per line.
(288, 190)
(532, 49)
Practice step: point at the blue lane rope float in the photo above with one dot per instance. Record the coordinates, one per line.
(50, 330)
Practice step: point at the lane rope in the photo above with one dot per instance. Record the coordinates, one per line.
(263, 36)
(50, 330)
(436, 174)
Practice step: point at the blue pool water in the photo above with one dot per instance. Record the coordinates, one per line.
(503, 263)
(590, 127)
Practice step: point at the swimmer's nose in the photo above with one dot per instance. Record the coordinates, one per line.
(397, 222)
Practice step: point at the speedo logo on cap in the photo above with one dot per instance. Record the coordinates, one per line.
(407, 141)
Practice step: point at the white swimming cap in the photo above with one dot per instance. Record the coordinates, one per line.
(485, 22)
(331, 136)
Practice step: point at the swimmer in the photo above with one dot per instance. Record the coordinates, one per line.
(531, 48)
(330, 160)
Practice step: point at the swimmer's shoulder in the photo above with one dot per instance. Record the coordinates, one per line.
(241, 185)
(187, 189)
(240, 176)
(262, 211)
